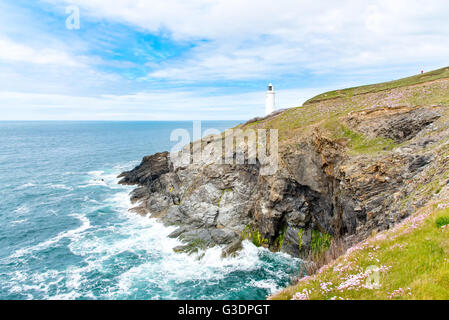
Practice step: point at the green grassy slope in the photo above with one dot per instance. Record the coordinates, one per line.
(428, 89)
(410, 261)
(417, 79)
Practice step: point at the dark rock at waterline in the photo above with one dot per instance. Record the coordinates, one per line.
(232, 249)
(151, 168)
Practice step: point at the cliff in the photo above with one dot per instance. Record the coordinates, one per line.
(351, 162)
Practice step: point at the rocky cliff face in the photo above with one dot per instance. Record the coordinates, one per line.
(347, 168)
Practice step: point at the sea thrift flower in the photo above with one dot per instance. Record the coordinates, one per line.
(443, 206)
(304, 295)
(325, 287)
(353, 282)
(355, 248)
(324, 268)
(400, 292)
(304, 279)
(343, 267)
(398, 246)
(358, 281)
(415, 221)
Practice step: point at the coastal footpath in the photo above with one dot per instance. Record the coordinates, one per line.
(353, 163)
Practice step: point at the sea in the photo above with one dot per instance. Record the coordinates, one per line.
(66, 232)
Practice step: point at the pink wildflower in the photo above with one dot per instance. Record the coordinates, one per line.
(325, 287)
(400, 292)
(398, 246)
(443, 206)
(304, 295)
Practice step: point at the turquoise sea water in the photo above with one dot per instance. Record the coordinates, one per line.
(66, 232)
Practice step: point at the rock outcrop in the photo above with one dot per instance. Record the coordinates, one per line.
(325, 188)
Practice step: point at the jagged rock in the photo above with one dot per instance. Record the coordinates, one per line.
(399, 124)
(319, 187)
(151, 168)
(232, 249)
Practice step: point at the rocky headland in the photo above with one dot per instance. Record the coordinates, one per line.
(351, 163)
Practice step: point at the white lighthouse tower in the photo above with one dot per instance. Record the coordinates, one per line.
(270, 102)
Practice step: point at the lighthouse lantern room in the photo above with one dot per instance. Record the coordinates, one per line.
(270, 101)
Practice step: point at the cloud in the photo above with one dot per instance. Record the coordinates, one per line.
(201, 104)
(13, 51)
(255, 39)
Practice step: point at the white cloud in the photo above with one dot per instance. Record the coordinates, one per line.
(255, 39)
(18, 52)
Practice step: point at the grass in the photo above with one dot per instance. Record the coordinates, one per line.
(357, 142)
(300, 238)
(408, 262)
(442, 221)
(414, 80)
(258, 240)
(320, 242)
(280, 239)
(221, 198)
(254, 235)
(222, 195)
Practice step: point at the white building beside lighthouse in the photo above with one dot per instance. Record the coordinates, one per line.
(270, 101)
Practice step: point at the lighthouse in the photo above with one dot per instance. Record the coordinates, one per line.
(270, 102)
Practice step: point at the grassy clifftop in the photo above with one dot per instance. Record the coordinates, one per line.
(410, 261)
(409, 81)
(429, 89)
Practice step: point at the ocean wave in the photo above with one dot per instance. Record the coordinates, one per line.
(133, 256)
(59, 187)
(16, 222)
(177, 269)
(101, 178)
(23, 209)
(96, 173)
(71, 234)
(269, 284)
(25, 186)
(125, 166)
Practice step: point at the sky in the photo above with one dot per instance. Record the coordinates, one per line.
(204, 59)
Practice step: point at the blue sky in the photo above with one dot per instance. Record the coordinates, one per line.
(204, 59)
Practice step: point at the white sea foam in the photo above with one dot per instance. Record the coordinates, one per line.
(157, 265)
(125, 166)
(139, 235)
(16, 222)
(71, 234)
(269, 284)
(25, 186)
(23, 209)
(179, 268)
(59, 186)
(101, 178)
(96, 173)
